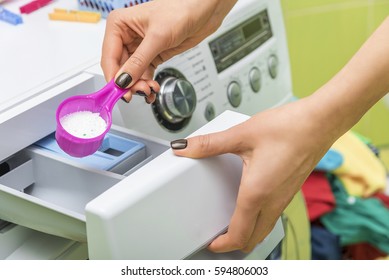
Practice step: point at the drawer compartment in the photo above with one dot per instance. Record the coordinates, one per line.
(116, 154)
(27, 122)
(48, 191)
(48, 195)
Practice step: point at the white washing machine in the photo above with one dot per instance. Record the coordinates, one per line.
(125, 202)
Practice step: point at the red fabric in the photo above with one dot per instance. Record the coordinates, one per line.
(363, 251)
(383, 197)
(318, 195)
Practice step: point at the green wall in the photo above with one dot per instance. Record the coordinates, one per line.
(322, 37)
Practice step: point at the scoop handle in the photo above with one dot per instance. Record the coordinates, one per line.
(109, 95)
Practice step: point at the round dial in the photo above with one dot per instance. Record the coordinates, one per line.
(179, 97)
(176, 100)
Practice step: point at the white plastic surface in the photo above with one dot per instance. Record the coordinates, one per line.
(54, 200)
(171, 214)
(40, 53)
(27, 122)
(21, 243)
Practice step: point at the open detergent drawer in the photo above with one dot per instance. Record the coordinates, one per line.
(48, 195)
(44, 189)
(150, 206)
(48, 191)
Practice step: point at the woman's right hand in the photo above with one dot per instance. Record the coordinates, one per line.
(139, 38)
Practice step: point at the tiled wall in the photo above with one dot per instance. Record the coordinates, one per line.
(322, 36)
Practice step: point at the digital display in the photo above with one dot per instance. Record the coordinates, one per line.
(252, 27)
(240, 41)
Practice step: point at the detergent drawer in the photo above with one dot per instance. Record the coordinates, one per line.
(172, 207)
(162, 207)
(42, 192)
(45, 190)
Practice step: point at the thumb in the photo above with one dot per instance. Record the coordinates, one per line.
(206, 145)
(138, 62)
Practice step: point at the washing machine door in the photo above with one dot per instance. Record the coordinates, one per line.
(172, 208)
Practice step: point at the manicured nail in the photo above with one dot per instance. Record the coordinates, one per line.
(122, 98)
(179, 144)
(140, 93)
(123, 80)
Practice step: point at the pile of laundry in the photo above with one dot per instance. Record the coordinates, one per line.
(347, 202)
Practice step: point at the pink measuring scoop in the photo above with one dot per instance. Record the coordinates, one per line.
(101, 102)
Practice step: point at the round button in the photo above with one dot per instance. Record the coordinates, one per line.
(273, 66)
(234, 94)
(209, 112)
(255, 79)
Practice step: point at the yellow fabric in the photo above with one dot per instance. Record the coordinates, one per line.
(361, 172)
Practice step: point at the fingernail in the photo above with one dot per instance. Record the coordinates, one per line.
(123, 80)
(152, 90)
(140, 93)
(179, 144)
(147, 101)
(124, 100)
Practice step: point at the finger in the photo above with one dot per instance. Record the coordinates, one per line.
(247, 211)
(209, 145)
(127, 97)
(138, 62)
(154, 86)
(154, 89)
(264, 225)
(148, 74)
(144, 89)
(112, 48)
(140, 88)
(242, 225)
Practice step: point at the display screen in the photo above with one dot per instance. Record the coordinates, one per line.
(240, 41)
(252, 28)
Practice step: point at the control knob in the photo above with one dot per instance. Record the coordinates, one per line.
(176, 100)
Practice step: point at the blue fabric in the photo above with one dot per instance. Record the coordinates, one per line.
(324, 244)
(330, 161)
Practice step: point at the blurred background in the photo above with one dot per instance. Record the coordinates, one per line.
(323, 35)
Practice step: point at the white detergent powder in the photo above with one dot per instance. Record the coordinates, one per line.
(84, 124)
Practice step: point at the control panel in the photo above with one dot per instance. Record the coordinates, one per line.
(243, 67)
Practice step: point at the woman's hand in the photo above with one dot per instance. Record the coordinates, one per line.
(139, 38)
(279, 148)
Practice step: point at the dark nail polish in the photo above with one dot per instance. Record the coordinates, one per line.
(124, 80)
(124, 100)
(179, 144)
(147, 101)
(140, 93)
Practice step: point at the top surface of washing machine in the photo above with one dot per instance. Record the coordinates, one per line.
(41, 53)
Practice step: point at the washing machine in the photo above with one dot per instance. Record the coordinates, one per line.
(133, 199)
